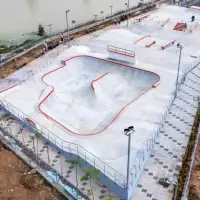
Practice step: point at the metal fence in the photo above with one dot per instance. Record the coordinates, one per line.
(77, 149)
(79, 27)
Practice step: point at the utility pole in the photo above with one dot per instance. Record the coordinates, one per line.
(49, 25)
(102, 14)
(67, 27)
(111, 13)
(95, 17)
(128, 6)
(179, 63)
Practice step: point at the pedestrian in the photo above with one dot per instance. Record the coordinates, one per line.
(46, 46)
(192, 18)
(185, 26)
(62, 38)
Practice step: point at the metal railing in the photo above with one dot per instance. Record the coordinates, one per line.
(79, 150)
(121, 51)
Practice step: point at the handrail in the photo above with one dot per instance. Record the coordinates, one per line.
(167, 45)
(121, 51)
(150, 44)
(151, 19)
(92, 84)
(165, 22)
(142, 38)
(143, 17)
(194, 27)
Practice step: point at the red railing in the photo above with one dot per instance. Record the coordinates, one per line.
(92, 84)
(194, 27)
(147, 36)
(120, 51)
(150, 44)
(167, 45)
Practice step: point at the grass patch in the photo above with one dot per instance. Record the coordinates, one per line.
(186, 158)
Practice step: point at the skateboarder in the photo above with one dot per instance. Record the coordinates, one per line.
(192, 18)
(185, 26)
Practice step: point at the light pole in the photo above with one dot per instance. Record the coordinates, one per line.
(67, 27)
(128, 6)
(111, 10)
(95, 17)
(49, 25)
(102, 14)
(128, 132)
(179, 63)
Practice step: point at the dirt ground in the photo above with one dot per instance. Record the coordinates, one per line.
(194, 193)
(17, 183)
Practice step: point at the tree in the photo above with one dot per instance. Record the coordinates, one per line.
(41, 30)
(91, 174)
(38, 136)
(109, 198)
(75, 163)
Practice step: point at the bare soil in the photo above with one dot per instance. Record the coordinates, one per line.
(194, 193)
(17, 184)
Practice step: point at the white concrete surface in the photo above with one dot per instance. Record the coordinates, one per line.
(110, 146)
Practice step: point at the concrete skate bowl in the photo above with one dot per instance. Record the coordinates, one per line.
(87, 94)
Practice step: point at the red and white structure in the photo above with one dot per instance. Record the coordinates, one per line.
(121, 54)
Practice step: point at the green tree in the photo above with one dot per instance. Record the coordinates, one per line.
(41, 31)
(91, 174)
(75, 163)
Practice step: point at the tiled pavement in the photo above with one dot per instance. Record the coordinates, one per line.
(165, 159)
(53, 158)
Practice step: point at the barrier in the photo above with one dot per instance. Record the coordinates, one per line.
(165, 22)
(167, 45)
(150, 44)
(147, 36)
(121, 51)
(194, 27)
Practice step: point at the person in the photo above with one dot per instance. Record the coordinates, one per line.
(185, 26)
(46, 46)
(62, 38)
(192, 18)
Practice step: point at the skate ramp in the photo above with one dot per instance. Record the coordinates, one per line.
(87, 94)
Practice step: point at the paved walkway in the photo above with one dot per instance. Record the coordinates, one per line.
(166, 157)
(52, 158)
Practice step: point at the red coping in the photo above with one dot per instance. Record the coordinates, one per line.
(122, 109)
(92, 84)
